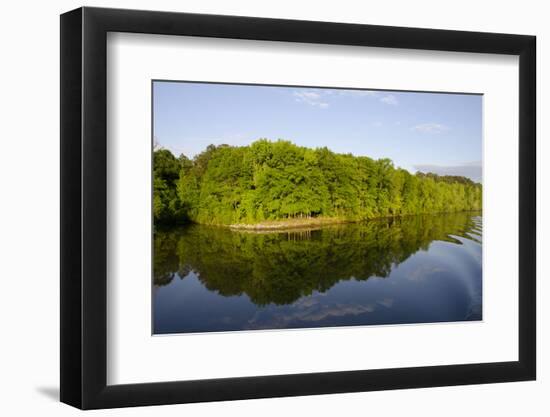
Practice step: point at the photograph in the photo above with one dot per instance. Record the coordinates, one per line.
(282, 204)
(292, 207)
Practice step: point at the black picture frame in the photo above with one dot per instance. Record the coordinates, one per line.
(84, 207)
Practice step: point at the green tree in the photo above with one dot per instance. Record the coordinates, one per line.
(167, 207)
(280, 180)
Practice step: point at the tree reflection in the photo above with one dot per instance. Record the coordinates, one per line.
(281, 267)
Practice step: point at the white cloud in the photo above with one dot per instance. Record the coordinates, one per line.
(430, 128)
(318, 98)
(358, 93)
(310, 97)
(307, 95)
(389, 99)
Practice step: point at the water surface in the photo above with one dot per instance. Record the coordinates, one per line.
(414, 269)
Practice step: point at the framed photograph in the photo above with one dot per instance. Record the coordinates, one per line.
(256, 208)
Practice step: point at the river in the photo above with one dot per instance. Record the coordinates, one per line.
(417, 269)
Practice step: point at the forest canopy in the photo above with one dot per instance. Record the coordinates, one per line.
(279, 180)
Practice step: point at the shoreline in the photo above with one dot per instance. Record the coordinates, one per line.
(305, 223)
(289, 224)
(274, 225)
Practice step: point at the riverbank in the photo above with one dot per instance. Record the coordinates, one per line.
(296, 223)
(315, 222)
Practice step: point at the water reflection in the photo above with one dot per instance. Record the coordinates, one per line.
(408, 270)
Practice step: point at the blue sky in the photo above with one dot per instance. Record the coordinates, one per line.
(440, 133)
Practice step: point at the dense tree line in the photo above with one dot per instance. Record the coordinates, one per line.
(279, 180)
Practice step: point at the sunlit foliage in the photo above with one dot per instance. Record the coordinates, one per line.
(279, 180)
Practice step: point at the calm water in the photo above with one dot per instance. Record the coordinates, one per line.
(411, 270)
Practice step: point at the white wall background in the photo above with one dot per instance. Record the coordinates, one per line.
(29, 211)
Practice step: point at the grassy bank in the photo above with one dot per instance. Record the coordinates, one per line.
(313, 222)
(296, 223)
